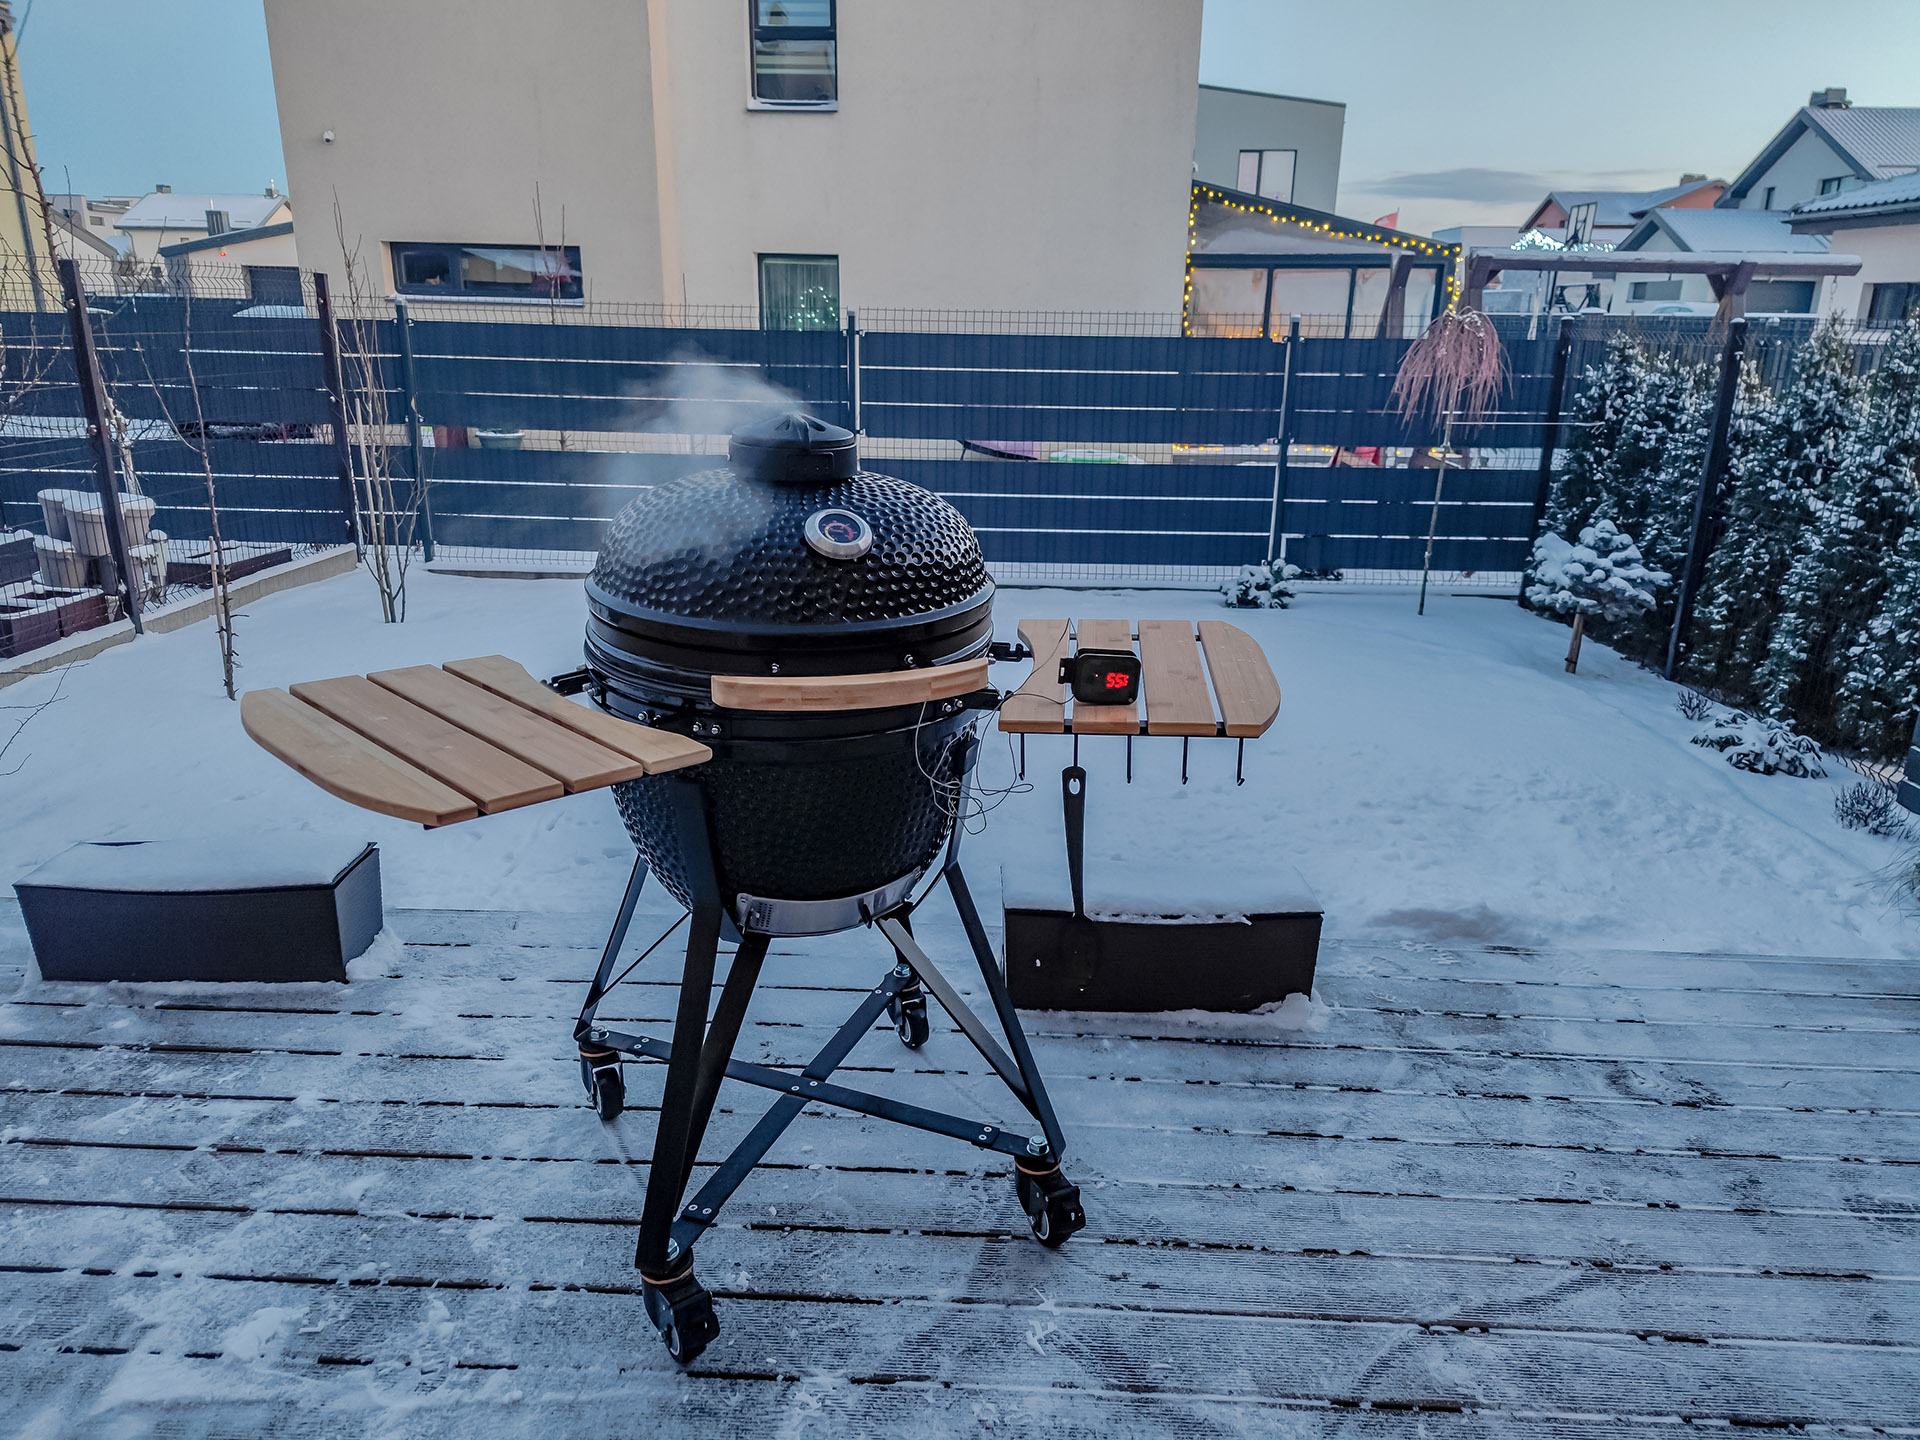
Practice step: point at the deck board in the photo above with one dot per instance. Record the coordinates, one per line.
(1509, 1193)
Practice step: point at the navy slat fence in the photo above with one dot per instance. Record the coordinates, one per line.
(260, 387)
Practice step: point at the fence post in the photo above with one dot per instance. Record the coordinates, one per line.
(93, 403)
(853, 372)
(1706, 498)
(1283, 441)
(1549, 435)
(337, 405)
(405, 329)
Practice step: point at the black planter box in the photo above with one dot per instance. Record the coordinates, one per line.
(195, 567)
(26, 626)
(17, 560)
(1137, 952)
(75, 610)
(261, 907)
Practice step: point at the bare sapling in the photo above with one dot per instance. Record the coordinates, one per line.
(194, 436)
(387, 519)
(1455, 371)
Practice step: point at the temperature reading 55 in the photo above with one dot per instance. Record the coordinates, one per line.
(1102, 677)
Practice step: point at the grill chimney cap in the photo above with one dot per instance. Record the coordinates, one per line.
(1834, 97)
(794, 448)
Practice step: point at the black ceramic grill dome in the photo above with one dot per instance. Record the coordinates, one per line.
(715, 574)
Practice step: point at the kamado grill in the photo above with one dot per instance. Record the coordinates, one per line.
(788, 658)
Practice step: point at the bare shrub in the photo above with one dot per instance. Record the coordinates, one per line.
(1693, 705)
(1867, 806)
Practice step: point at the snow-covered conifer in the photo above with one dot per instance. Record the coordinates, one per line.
(1604, 576)
(1782, 464)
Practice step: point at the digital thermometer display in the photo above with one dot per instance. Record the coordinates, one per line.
(1102, 677)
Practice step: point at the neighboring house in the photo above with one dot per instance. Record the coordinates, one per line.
(1606, 217)
(1830, 146)
(1255, 263)
(163, 218)
(93, 217)
(1280, 147)
(802, 156)
(1880, 223)
(72, 240)
(265, 258)
(1752, 235)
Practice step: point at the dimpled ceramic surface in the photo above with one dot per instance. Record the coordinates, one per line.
(717, 546)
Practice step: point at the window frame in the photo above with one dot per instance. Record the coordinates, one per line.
(451, 251)
(1832, 184)
(1260, 172)
(830, 33)
(760, 278)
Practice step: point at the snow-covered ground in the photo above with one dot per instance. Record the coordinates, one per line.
(1434, 778)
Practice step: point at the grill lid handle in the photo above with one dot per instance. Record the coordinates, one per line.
(794, 448)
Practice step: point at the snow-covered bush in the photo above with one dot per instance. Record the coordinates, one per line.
(1871, 807)
(1255, 588)
(1766, 747)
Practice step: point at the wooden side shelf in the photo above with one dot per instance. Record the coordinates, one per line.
(1232, 693)
(441, 744)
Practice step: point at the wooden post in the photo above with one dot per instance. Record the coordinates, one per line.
(1573, 650)
(1706, 500)
(1549, 435)
(404, 326)
(337, 406)
(93, 403)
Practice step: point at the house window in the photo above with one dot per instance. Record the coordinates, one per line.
(795, 65)
(1766, 198)
(1780, 297)
(1267, 173)
(275, 284)
(488, 272)
(799, 292)
(1654, 290)
(1832, 186)
(1893, 303)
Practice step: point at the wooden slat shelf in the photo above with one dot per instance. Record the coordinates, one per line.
(1232, 695)
(441, 744)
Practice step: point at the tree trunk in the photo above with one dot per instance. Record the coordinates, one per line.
(1573, 650)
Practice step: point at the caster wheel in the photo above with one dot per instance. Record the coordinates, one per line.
(606, 1087)
(682, 1312)
(910, 1021)
(1052, 1205)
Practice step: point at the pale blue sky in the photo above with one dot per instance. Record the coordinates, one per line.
(1459, 112)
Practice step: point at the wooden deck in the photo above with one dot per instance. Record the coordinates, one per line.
(1498, 1193)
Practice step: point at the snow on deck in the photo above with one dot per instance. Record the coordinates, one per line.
(1605, 1121)
(1479, 1192)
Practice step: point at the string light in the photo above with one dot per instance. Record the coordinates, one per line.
(1412, 244)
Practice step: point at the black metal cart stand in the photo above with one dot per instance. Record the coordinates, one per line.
(700, 1054)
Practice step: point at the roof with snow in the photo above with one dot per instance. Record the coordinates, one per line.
(1753, 231)
(1867, 204)
(1614, 207)
(1876, 141)
(170, 211)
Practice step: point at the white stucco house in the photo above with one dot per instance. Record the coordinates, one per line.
(798, 157)
(1880, 223)
(1830, 146)
(1748, 233)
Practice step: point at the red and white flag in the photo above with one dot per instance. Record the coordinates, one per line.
(1389, 221)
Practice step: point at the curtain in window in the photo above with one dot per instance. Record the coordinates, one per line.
(799, 292)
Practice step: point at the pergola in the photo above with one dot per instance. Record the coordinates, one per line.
(1728, 271)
